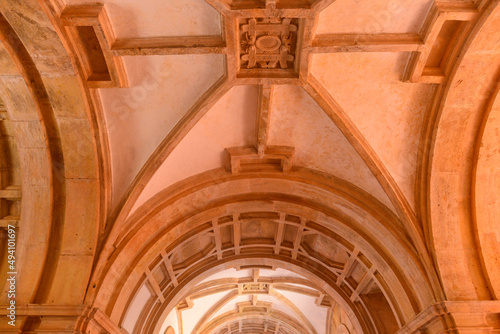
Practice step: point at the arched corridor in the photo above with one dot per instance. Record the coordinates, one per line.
(249, 166)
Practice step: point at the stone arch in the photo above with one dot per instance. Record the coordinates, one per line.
(291, 325)
(58, 152)
(465, 107)
(182, 213)
(68, 233)
(485, 190)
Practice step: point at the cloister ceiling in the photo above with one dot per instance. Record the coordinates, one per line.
(252, 166)
(367, 86)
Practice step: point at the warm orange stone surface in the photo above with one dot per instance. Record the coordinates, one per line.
(389, 113)
(250, 166)
(378, 16)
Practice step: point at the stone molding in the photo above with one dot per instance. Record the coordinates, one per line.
(76, 319)
(456, 317)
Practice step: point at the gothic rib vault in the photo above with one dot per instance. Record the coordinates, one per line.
(251, 166)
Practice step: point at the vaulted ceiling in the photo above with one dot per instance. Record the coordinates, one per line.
(251, 166)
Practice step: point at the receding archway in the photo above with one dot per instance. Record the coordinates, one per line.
(186, 229)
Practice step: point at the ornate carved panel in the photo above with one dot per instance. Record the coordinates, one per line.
(267, 43)
(255, 288)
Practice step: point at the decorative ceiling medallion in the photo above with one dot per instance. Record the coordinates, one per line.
(268, 43)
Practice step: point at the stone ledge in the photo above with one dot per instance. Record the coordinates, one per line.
(457, 317)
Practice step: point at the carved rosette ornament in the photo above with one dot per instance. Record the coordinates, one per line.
(268, 43)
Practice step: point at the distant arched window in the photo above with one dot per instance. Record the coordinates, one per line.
(169, 330)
